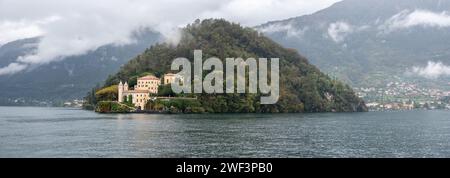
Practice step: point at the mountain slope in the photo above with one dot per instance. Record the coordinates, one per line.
(371, 42)
(63, 80)
(303, 87)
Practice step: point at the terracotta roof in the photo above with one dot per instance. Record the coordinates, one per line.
(148, 77)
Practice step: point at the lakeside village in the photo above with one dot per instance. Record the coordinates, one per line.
(403, 96)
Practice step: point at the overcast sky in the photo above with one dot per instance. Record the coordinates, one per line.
(73, 27)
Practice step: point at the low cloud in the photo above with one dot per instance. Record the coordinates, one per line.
(75, 27)
(339, 30)
(13, 30)
(407, 19)
(289, 29)
(433, 70)
(12, 68)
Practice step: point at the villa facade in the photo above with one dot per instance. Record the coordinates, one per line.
(144, 88)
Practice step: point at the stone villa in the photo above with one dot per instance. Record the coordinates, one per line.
(144, 87)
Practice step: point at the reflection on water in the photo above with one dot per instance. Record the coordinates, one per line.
(62, 132)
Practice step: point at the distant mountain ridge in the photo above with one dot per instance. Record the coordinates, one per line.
(64, 80)
(371, 42)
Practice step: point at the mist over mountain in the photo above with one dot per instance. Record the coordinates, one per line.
(373, 42)
(66, 79)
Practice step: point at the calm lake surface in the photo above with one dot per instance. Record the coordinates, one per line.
(63, 132)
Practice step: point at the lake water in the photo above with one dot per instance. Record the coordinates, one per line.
(63, 132)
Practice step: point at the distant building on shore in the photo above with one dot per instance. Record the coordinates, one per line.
(145, 86)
